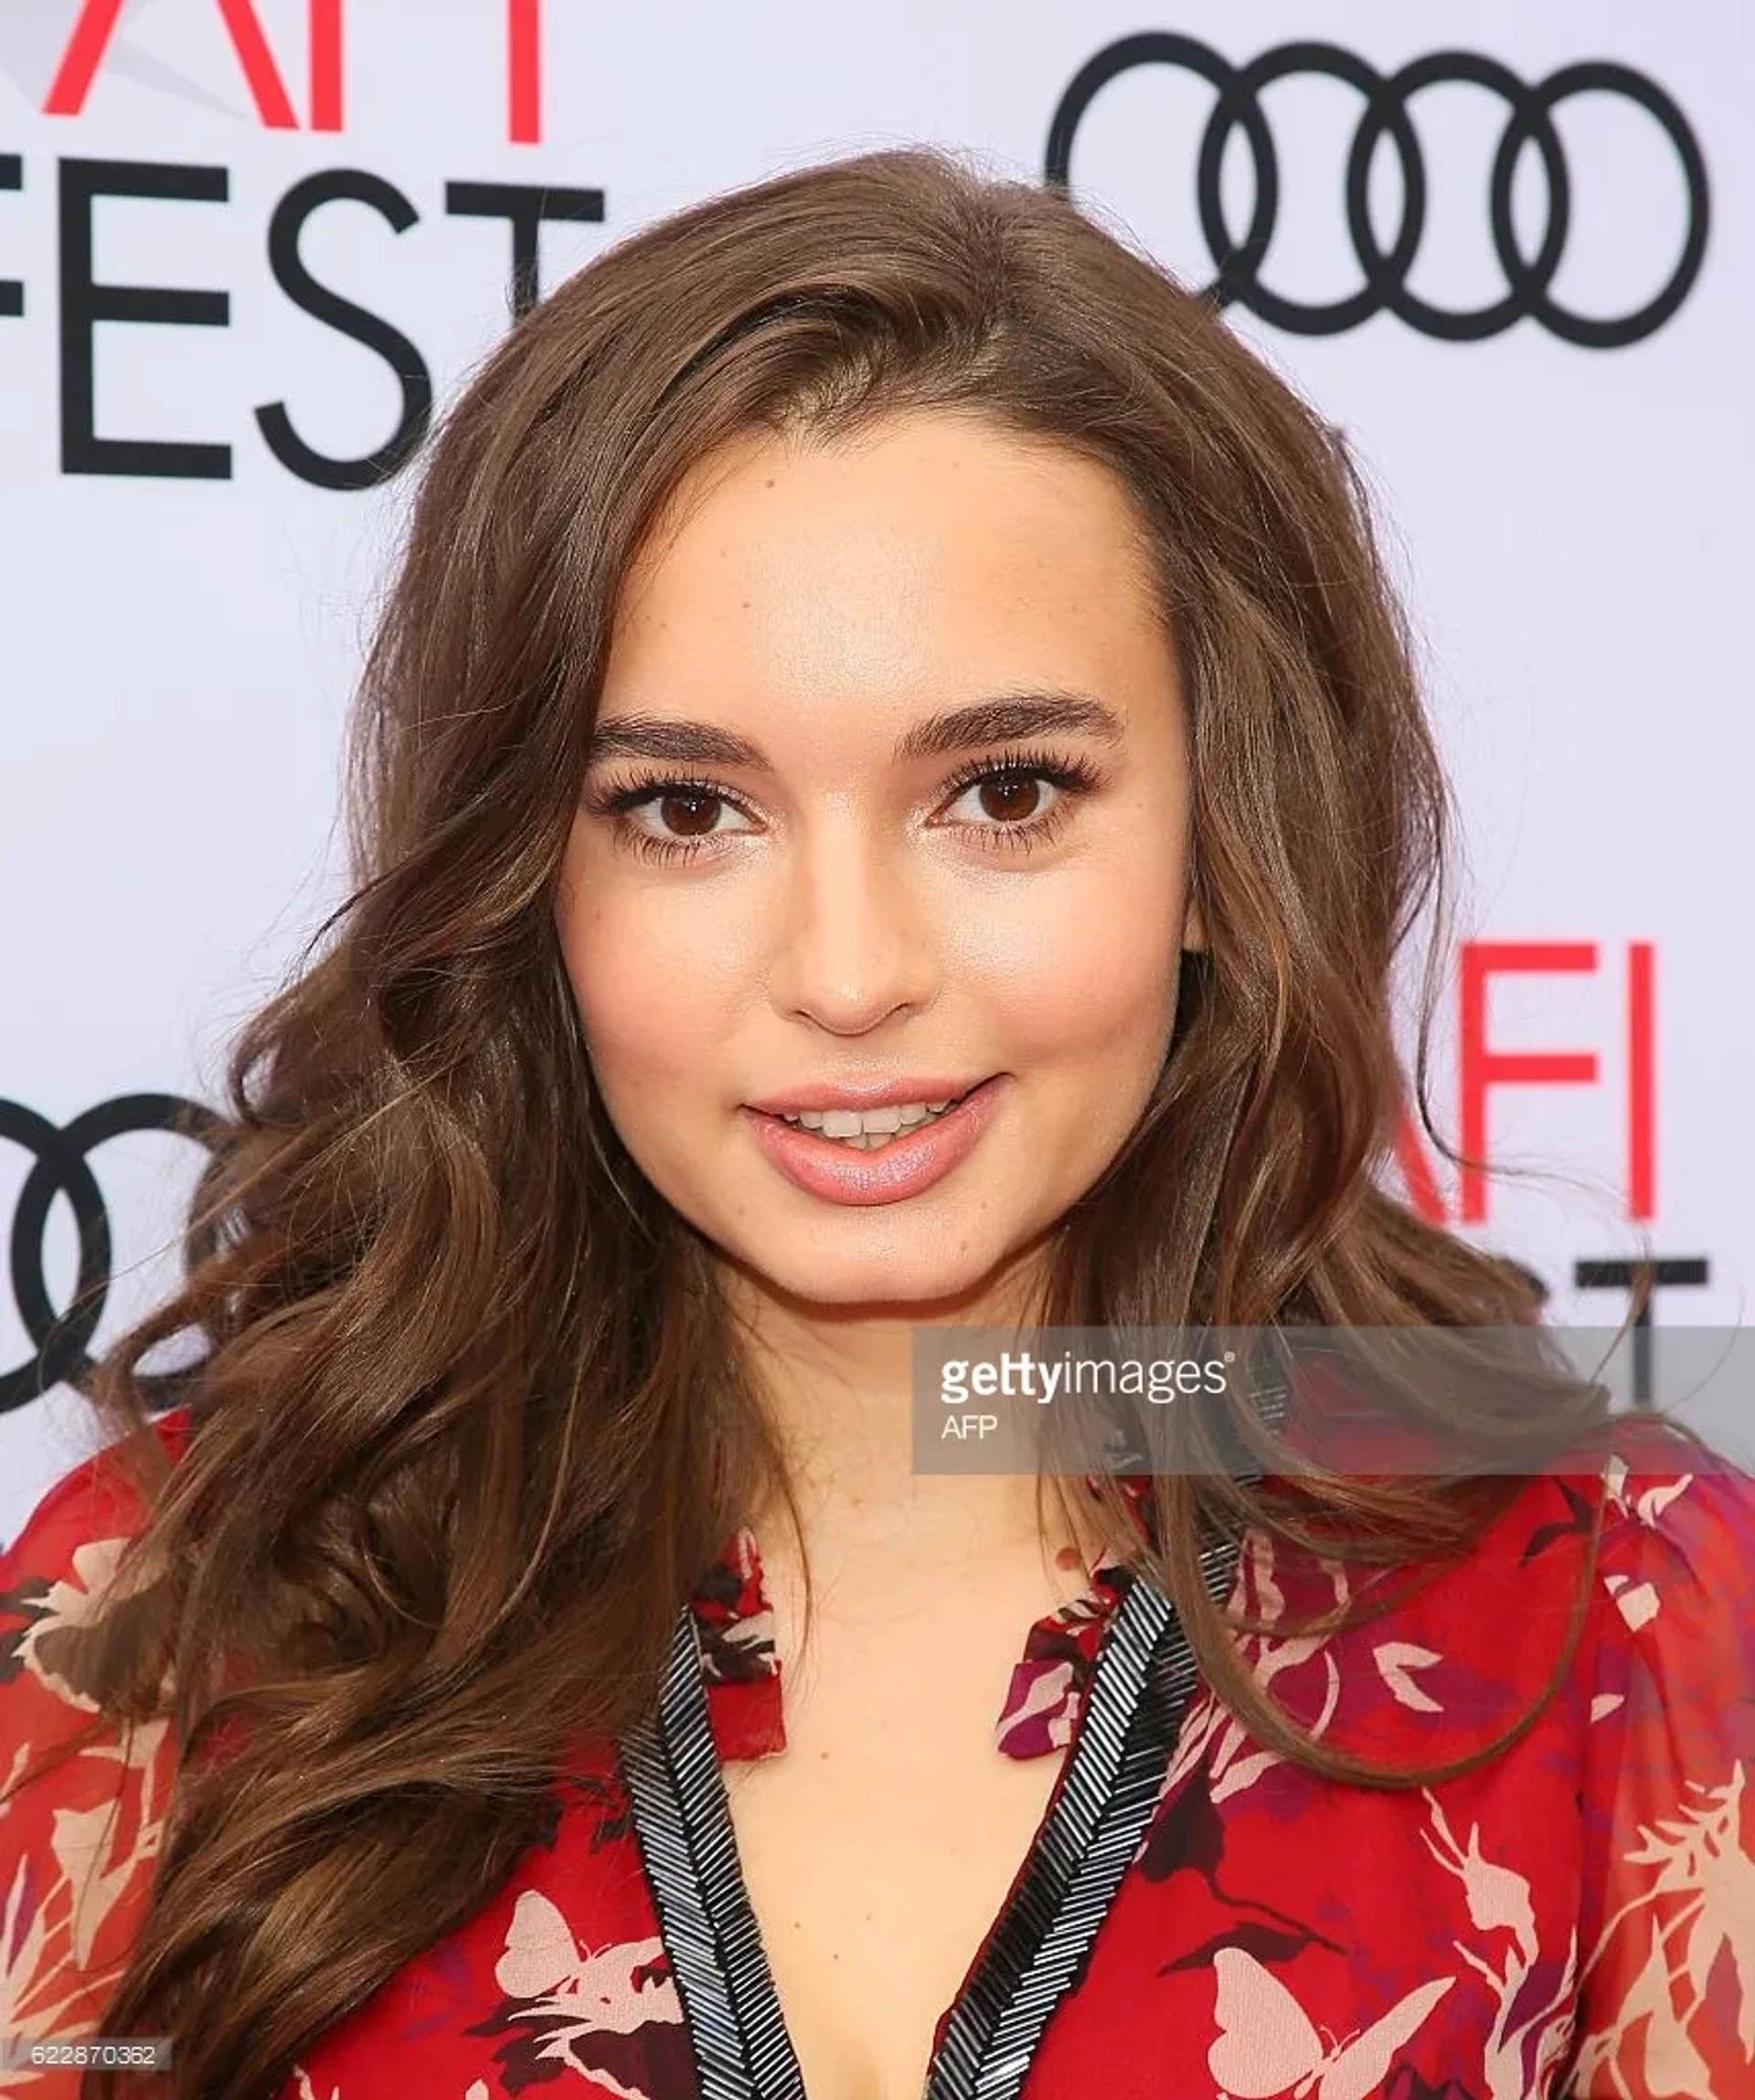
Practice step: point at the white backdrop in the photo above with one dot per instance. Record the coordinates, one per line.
(1569, 519)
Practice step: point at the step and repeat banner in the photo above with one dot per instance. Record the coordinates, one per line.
(248, 248)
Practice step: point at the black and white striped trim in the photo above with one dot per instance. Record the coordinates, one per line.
(1139, 1688)
(682, 1820)
(1140, 1685)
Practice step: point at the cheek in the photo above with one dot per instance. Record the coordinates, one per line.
(651, 993)
(1084, 970)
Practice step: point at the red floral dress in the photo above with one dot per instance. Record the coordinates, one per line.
(1577, 1918)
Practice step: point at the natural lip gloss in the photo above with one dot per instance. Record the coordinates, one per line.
(912, 1162)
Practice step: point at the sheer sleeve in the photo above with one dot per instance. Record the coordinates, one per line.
(1667, 1924)
(77, 1846)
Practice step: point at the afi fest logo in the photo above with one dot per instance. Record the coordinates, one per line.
(1484, 1066)
(61, 52)
(94, 43)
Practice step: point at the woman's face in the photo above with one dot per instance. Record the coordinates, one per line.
(820, 903)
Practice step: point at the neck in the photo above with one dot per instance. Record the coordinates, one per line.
(837, 1386)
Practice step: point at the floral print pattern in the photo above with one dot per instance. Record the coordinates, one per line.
(1573, 1919)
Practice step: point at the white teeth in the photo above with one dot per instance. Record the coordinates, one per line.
(869, 1130)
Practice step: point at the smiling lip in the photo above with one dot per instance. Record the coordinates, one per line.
(905, 1166)
(891, 1094)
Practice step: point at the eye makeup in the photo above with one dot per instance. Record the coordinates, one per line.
(620, 798)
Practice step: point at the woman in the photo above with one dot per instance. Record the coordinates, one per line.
(866, 643)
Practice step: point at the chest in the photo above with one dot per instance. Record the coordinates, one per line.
(879, 1849)
(1274, 1934)
(875, 1874)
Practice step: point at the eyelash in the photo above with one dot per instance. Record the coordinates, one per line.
(1072, 776)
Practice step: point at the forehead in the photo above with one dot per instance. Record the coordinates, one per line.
(927, 547)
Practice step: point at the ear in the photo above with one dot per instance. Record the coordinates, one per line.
(1194, 929)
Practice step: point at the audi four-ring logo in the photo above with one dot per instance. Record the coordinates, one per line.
(60, 1166)
(1387, 115)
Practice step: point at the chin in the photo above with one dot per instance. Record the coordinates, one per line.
(893, 1278)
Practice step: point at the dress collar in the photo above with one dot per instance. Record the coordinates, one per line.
(742, 1673)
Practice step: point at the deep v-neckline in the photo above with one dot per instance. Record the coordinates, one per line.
(1142, 1678)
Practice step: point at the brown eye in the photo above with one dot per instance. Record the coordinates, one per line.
(1011, 797)
(695, 826)
(1006, 814)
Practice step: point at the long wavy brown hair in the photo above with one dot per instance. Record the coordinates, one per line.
(472, 1422)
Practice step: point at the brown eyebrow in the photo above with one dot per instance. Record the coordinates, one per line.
(1004, 719)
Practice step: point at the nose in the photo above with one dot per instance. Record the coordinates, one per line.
(855, 938)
